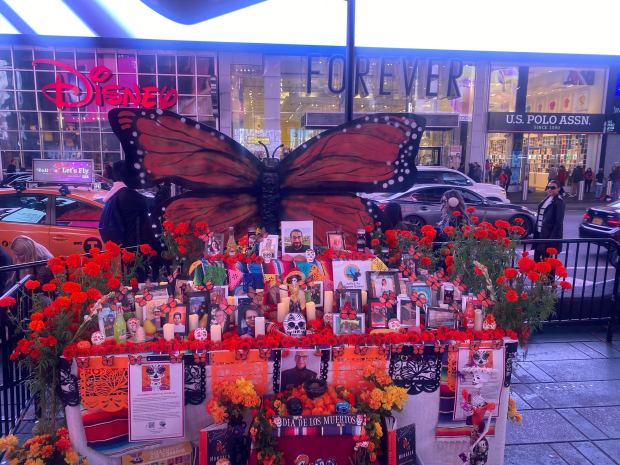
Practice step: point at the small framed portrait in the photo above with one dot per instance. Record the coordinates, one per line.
(423, 292)
(154, 311)
(246, 319)
(356, 325)
(197, 303)
(218, 316)
(106, 316)
(297, 237)
(447, 295)
(378, 315)
(352, 297)
(316, 293)
(437, 317)
(182, 287)
(335, 240)
(380, 282)
(299, 366)
(242, 300)
(269, 244)
(218, 294)
(178, 317)
(155, 290)
(409, 314)
(215, 244)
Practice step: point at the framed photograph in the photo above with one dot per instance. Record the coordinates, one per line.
(272, 293)
(421, 288)
(353, 297)
(218, 316)
(242, 300)
(297, 237)
(447, 295)
(335, 240)
(380, 282)
(182, 287)
(345, 326)
(197, 303)
(157, 291)
(437, 316)
(351, 273)
(299, 366)
(409, 314)
(378, 315)
(178, 317)
(215, 244)
(218, 294)
(316, 293)
(106, 316)
(269, 244)
(246, 318)
(154, 311)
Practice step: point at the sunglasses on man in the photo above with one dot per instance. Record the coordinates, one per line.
(551, 188)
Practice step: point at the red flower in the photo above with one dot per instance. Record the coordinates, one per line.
(368, 228)
(526, 264)
(470, 209)
(181, 228)
(565, 284)
(79, 297)
(481, 233)
(113, 248)
(32, 284)
(524, 296)
(533, 276)
(113, 283)
(74, 261)
(552, 251)
(478, 271)
(146, 249)
(93, 293)
(428, 230)
(7, 302)
(456, 213)
(70, 287)
(449, 260)
(35, 354)
(561, 272)
(92, 269)
(49, 341)
(425, 261)
(502, 224)
(63, 444)
(128, 257)
(500, 280)
(36, 325)
(374, 242)
(519, 220)
(474, 219)
(133, 282)
(510, 273)
(168, 225)
(543, 267)
(49, 287)
(512, 296)
(449, 231)
(182, 249)
(56, 265)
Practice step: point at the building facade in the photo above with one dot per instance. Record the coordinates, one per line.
(529, 114)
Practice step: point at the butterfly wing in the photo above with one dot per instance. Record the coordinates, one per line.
(329, 211)
(375, 153)
(221, 211)
(164, 146)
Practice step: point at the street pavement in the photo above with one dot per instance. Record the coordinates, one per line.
(566, 384)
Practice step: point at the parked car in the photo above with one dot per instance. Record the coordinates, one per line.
(65, 224)
(441, 175)
(603, 221)
(421, 205)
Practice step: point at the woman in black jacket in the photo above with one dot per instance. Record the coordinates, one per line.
(549, 221)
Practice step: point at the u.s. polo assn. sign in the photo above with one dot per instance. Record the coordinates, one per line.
(580, 123)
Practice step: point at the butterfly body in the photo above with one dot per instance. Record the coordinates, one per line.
(230, 186)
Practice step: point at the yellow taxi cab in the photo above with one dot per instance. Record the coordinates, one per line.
(65, 224)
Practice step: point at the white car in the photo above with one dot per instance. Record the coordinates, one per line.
(441, 175)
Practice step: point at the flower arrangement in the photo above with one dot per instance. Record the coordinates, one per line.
(262, 434)
(512, 413)
(231, 398)
(184, 243)
(45, 448)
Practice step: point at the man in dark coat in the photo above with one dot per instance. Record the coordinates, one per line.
(299, 374)
(549, 221)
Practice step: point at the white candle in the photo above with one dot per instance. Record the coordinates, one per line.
(282, 311)
(230, 299)
(139, 308)
(287, 302)
(259, 326)
(216, 333)
(310, 311)
(478, 319)
(417, 316)
(168, 331)
(364, 297)
(140, 336)
(193, 321)
(328, 301)
(283, 293)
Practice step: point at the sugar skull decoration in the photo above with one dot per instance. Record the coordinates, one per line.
(310, 255)
(489, 323)
(201, 334)
(97, 338)
(267, 256)
(394, 325)
(294, 324)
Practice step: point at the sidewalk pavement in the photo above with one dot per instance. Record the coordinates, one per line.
(567, 387)
(534, 198)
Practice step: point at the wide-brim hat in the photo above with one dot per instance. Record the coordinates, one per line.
(295, 273)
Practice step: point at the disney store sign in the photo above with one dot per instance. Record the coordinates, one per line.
(73, 89)
(579, 123)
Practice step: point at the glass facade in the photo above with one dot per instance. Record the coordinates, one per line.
(33, 126)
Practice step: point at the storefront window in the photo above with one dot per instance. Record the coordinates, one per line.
(503, 90)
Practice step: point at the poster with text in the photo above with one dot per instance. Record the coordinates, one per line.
(351, 273)
(156, 403)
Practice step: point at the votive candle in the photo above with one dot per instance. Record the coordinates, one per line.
(216, 333)
(193, 321)
(259, 326)
(168, 331)
(328, 301)
(310, 311)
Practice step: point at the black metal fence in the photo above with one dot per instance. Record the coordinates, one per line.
(14, 395)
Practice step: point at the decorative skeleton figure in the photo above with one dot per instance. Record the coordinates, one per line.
(267, 256)
(156, 373)
(97, 338)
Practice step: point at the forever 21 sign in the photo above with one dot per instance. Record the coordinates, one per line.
(579, 123)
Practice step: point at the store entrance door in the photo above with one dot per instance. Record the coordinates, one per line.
(429, 156)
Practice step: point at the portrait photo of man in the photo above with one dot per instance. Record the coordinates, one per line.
(296, 245)
(297, 237)
(299, 373)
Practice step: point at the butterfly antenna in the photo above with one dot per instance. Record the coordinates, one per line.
(281, 146)
(265, 147)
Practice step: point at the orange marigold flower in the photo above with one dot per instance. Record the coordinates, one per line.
(32, 284)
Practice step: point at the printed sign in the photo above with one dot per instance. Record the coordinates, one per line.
(62, 171)
(579, 123)
(405, 445)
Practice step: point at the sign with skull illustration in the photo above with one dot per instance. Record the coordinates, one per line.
(295, 325)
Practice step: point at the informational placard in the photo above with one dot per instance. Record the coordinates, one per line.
(62, 171)
(156, 402)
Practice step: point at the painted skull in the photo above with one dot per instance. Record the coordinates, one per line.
(489, 324)
(328, 319)
(201, 334)
(97, 338)
(394, 325)
(480, 358)
(155, 372)
(310, 255)
(267, 256)
(295, 325)
(132, 325)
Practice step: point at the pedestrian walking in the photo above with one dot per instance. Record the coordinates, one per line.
(600, 182)
(561, 178)
(553, 172)
(488, 170)
(576, 178)
(549, 221)
(588, 177)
